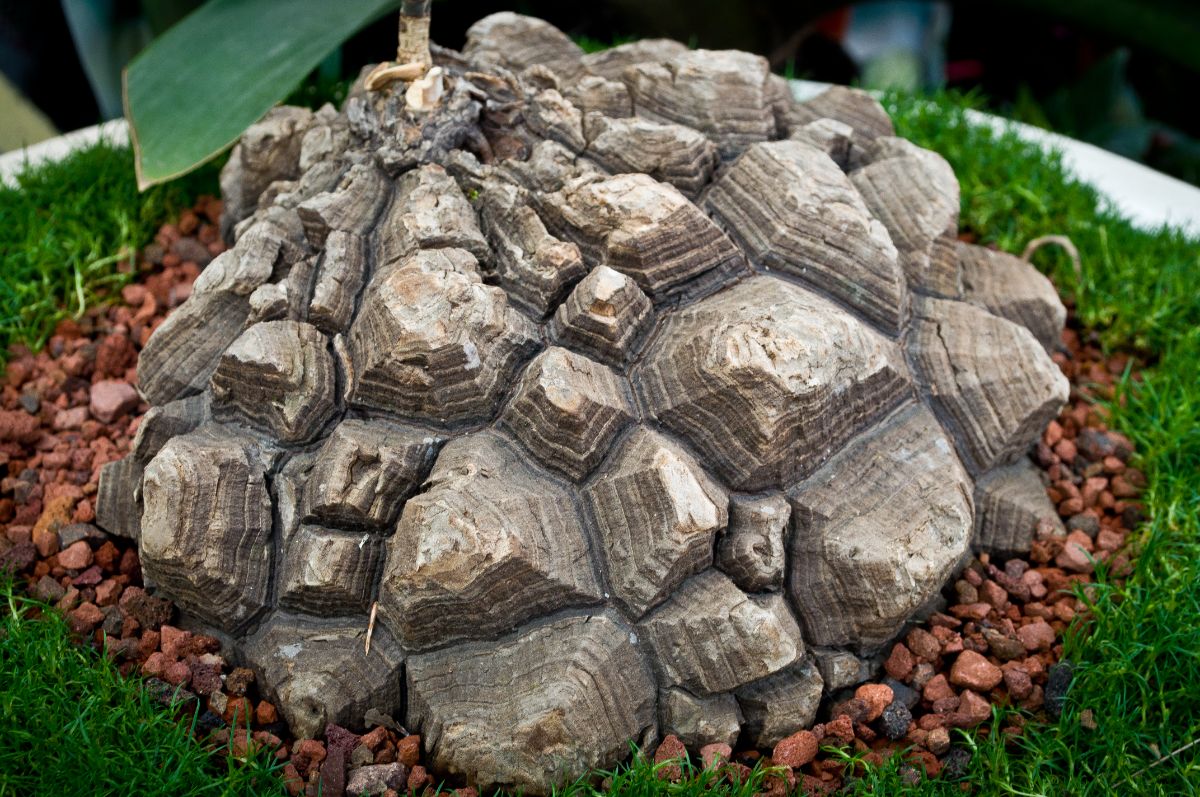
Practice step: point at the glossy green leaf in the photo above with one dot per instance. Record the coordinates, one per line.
(191, 93)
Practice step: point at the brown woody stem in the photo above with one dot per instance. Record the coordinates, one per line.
(414, 33)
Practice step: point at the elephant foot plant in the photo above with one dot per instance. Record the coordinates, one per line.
(636, 397)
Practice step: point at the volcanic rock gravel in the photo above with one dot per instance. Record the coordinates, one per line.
(67, 411)
(997, 641)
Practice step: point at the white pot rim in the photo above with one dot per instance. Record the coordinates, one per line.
(1149, 199)
(55, 149)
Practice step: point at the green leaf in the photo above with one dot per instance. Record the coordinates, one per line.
(195, 89)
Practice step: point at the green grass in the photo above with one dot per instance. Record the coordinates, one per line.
(71, 724)
(1138, 287)
(1139, 659)
(66, 233)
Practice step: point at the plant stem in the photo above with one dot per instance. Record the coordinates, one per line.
(414, 33)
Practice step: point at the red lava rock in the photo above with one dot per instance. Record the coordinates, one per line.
(333, 773)
(177, 673)
(1036, 584)
(1065, 450)
(48, 589)
(17, 535)
(188, 222)
(134, 295)
(265, 713)
(973, 671)
(63, 421)
(924, 644)
(206, 678)
(307, 754)
(840, 728)
(292, 780)
(1018, 683)
(77, 556)
(155, 665)
(796, 750)
(946, 705)
(1036, 636)
(777, 785)
(971, 611)
(66, 420)
(1128, 484)
(266, 740)
(877, 697)
(112, 398)
(972, 710)
(18, 557)
(812, 786)
(668, 755)
(418, 779)
(1074, 556)
(1092, 489)
(174, 641)
(993, 594)
(107, 592)
(1113, 465)
(237, 711)
(241, 745)
(45, 541)
(938, 688)
(900, 662)
(375, 738)
(199, 645)
(88, 578)
(84, 618)
(853, 708)
(1109, 540)
(130, 565)
(926, 761)
(737, 772)
(148, 643)
(115, 354)
(953, 644)
(408, 750)
(1071, 506)
(927, 722)
(149, 611)
(386, 754)
(18, 426)
(713, 755)
(339, 739)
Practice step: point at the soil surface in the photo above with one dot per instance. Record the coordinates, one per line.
(73, 407)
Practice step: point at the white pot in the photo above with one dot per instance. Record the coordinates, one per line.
(15, 162)
(1149, 199)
